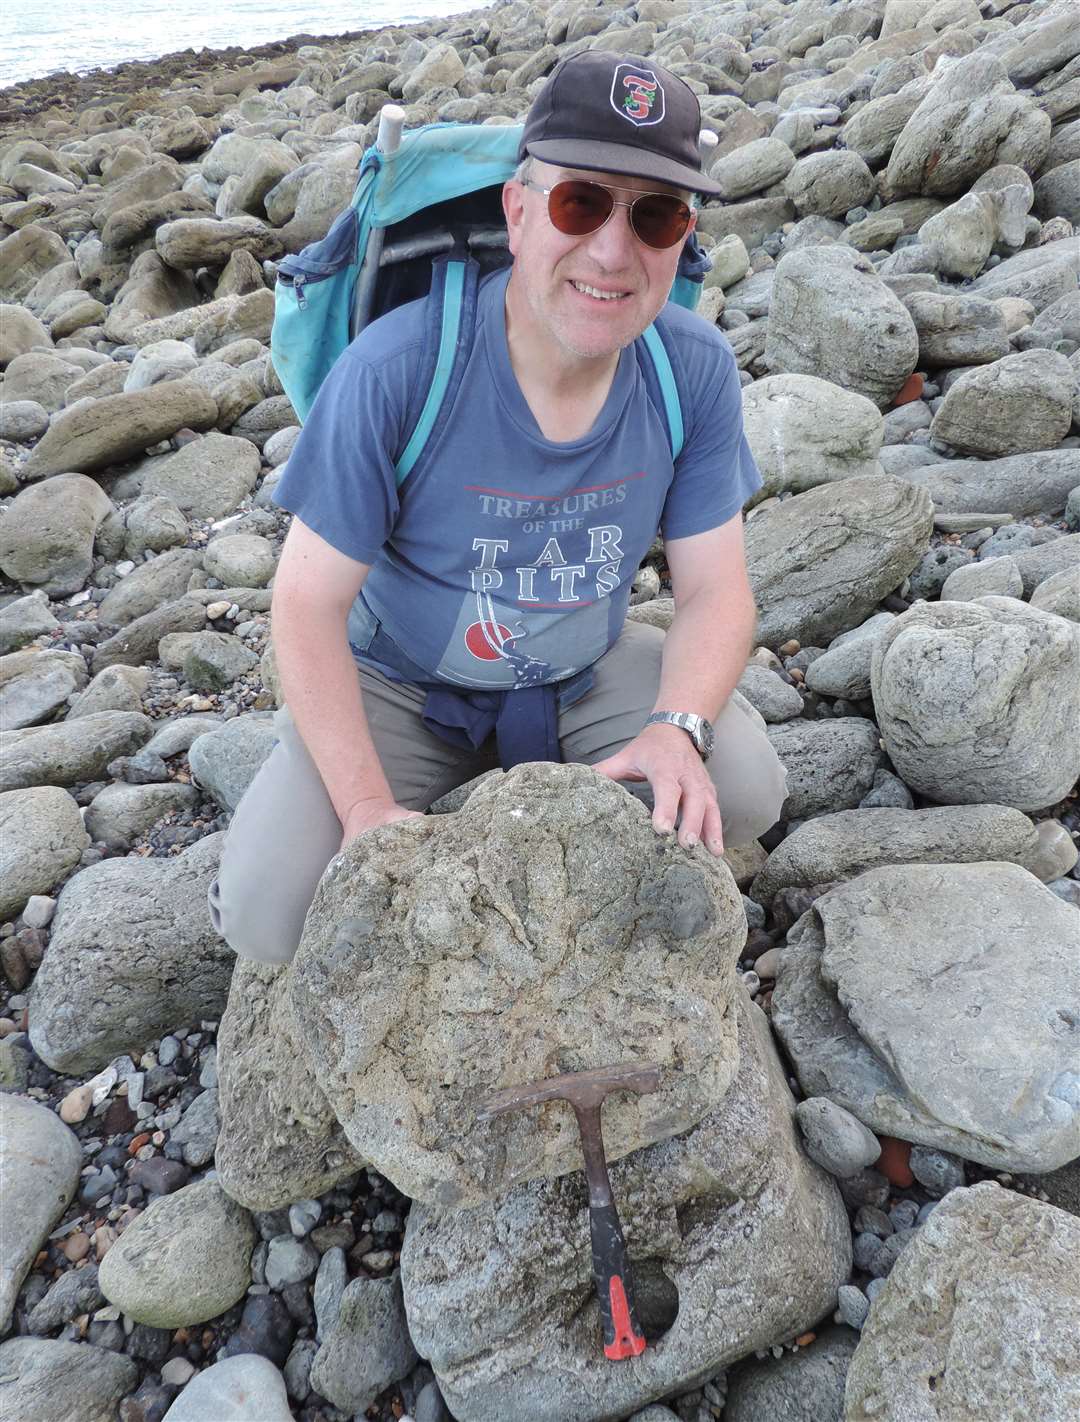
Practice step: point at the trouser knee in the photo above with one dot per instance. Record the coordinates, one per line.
(241, 915)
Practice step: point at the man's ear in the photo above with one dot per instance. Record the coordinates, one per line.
(513, 205)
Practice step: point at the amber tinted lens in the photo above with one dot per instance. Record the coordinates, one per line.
(578, 208)
(658, 220)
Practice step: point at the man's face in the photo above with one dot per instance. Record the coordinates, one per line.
(594, 294)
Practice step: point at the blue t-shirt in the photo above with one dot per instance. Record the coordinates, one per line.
(505, 560)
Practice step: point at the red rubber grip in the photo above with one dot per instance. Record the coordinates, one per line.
(627, 1343)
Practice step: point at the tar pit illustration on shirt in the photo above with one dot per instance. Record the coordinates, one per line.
(544, 558)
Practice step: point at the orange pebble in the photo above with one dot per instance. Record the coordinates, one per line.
(137, 1142)
(911, 389)
(805, 1339)
(893, 1162)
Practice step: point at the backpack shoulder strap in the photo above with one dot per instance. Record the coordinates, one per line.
(669, 390)
(449, 329)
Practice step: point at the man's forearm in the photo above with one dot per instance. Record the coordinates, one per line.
(322, 690)
(704, 654)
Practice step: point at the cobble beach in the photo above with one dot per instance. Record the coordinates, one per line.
(264, 1193)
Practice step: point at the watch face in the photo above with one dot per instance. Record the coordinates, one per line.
(708, 738)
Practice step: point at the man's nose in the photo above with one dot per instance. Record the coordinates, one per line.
(613, 245)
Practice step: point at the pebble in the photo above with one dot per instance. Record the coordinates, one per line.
(168, 1051)
(304, 1215)
(852, 1306)
(289, 1260)
(160, 1176)
(893, 1162)
(75, 1106)
(38, 911)
(177, 1371)
(77, 1247)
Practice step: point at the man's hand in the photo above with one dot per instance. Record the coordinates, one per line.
(665, 756)
(369, 814)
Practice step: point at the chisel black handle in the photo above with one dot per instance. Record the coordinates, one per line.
(623, 1337)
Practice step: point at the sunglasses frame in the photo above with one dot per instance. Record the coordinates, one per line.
(615, 202)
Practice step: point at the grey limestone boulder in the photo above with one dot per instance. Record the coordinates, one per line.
(872, 131)
(243, 560)
(47, 536)
(460, 953)
(978, 701)
(120, 813)
(834, 1139)
(770, 695)
(1020, 403)
(279, 1140)
(22, 421)
(846, 844)
(1060, 594)
(40, 1378)
(208, 477)
(1057, 192)
(807, 1386)
(440, 68)
(26, 255)
(226, 759)
(832, 316)
(193, 242)
(139, 640)
(1042, 561)
(69, 751)
(39, 1170)
(844, 670)
(969, 120)
(367, 1347)
(24, 620)
(234, 154)
(41, 376)
(41, 840)
(182, 1261)
(754, 166)
(244, 1388)
(148, 585)
(829, 184)
(132, 953)
(978, 1066)
(820, 562)
(729, 1223)
(35, 685)
(988, 577)
(1018, 484)
(804, 431)
(957, 330)
(979, 1316)
(830, 764)
(22, 331)
(1040, 275)
(93, 436)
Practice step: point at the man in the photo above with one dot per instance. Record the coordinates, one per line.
(489, 593)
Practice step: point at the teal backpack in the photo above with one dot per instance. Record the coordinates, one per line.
(425, 220)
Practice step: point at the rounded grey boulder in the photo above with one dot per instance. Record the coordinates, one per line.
(978, 702)
(832, 316)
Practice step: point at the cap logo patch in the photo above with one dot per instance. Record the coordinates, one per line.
(636, 95)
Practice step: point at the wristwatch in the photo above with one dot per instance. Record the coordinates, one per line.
(696, 727)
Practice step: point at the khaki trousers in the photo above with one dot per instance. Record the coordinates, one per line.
(285, 830)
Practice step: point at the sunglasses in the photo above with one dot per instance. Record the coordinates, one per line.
(578, 208)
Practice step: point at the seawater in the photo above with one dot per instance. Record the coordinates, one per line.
(39, 37)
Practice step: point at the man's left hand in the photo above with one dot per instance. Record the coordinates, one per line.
(682, 789)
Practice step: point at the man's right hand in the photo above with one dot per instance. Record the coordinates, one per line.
(369, 814)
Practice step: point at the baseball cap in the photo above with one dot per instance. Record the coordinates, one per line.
(618, 113)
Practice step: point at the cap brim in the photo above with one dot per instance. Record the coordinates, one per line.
(623, 159)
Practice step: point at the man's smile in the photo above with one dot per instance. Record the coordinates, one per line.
(599, 293)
